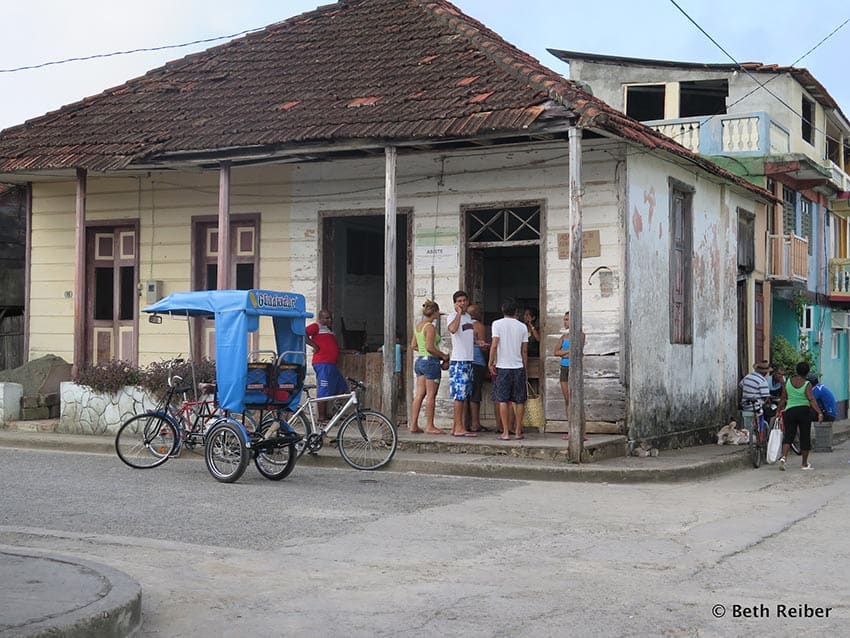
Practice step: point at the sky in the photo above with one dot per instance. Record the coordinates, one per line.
(769, 31)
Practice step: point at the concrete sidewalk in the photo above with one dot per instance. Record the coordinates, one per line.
(47, 594)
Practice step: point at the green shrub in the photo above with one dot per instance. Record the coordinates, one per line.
(786, 356)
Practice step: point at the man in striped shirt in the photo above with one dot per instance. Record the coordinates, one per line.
(754, 386)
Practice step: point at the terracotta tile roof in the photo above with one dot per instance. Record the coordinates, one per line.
(381, 70)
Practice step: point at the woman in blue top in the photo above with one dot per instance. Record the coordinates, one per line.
(563, 350)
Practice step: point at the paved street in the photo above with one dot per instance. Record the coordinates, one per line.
(337, 552)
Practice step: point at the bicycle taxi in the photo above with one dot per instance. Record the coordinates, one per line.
(265, 382)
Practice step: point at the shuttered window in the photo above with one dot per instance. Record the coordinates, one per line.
(681, 262)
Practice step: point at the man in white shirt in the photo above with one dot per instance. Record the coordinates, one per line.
(459, 324)
(508, 363)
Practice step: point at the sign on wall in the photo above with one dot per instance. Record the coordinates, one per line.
(590, 245)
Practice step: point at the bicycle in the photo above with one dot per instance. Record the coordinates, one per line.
(149, 439)
(758, 432)
(367, 439)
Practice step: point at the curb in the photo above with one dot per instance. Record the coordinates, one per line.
(110, 605)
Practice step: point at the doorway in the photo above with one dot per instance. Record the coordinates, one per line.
(111, 303)
(353, 278)
(503, 263)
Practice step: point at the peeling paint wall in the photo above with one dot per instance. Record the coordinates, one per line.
(676, 390)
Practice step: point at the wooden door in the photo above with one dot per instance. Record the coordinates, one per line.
(112, 298)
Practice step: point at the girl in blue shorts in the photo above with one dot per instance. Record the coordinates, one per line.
(428, 368)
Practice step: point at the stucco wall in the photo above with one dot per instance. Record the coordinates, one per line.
(678, 388)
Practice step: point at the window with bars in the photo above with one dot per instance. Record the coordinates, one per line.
(508, 224)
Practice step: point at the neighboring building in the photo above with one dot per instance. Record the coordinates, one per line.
(12, 257)
(294, 139)
(777, 127)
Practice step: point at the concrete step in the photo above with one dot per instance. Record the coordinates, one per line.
(535, 446)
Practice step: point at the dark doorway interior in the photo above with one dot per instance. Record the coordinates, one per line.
(353, 286)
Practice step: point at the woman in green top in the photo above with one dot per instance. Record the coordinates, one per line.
(796, 404)
(428, 367)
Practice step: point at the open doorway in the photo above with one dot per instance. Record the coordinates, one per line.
(353, 290)
(503, 262)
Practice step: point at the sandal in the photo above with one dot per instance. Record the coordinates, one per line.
(782, 463)
(807, 466)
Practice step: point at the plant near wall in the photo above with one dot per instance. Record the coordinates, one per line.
(108, 377)
(786, 356)
(111, 376)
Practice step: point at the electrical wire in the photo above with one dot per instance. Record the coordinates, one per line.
(761, 85)
(130, 51)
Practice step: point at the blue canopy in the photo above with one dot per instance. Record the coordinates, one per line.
(236, 313)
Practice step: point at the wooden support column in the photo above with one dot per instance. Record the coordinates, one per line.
(224, 226)
(576, 382)
(27, 274)
(80, 272)
(388, 393)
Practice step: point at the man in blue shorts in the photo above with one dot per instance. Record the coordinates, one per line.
(459, 324)
(508, 363)
(321, 338)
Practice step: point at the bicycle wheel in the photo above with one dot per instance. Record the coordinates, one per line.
(367, 440)
(275, 463)
(225, 452)
(145, 440)
(301, 424)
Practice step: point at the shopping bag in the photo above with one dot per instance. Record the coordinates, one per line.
(534, 417)
(774, 442)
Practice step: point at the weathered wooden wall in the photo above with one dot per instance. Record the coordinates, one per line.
(11, 342)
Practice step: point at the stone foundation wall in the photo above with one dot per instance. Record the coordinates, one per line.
(84, 411)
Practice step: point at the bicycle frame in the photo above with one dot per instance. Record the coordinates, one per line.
(307, 405)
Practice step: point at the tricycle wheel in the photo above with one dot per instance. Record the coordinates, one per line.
(278, 461)
(225, 452)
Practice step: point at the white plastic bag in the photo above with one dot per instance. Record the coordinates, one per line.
(774, 443)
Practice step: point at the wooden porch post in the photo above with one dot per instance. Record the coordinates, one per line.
(224, 226)
(80, 273)
(576, 382)
(388, 393)
(27, 274)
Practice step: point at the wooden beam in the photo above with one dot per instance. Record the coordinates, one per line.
(576, 382)
(80, 273)
(388, 394)
(224, 226)
(27, 273)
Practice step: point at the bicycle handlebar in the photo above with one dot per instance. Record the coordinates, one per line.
(354, 383)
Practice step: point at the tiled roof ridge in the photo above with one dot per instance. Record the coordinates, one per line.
(508, 57)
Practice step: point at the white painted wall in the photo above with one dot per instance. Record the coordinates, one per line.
(679, 387)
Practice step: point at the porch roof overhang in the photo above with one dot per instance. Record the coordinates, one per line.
(204, 159)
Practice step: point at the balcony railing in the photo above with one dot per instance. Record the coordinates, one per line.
(788, 257)
(749, 133)
(839, 279)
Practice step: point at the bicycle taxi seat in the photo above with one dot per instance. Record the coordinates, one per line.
(275, 382)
